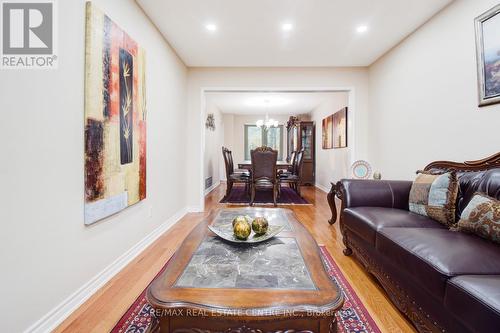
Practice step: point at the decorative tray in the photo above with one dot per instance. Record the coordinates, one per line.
(226, 232)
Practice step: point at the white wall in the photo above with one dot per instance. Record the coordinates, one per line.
(46, 252)
(200, 78)
(423, 97)
(331, 164)
(214, 140)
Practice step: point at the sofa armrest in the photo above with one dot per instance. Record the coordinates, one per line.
(374, 193)
(369, 193)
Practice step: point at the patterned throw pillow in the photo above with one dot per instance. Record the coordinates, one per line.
(481, 217)
(434, 196)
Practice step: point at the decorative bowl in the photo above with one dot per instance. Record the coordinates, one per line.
(227, 233)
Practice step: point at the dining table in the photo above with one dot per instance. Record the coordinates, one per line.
(280, 165)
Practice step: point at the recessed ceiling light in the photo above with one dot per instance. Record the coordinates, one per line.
(211, 27)
(287, 27)
(362, 28)
(266, 102)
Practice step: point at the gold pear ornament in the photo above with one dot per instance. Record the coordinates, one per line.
(260, 225)
(240, 218)
(241, 228)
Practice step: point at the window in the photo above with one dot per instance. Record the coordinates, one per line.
(257, 137)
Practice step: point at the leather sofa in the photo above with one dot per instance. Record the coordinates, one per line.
(443, 281)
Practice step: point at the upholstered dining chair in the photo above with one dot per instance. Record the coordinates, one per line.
(291, 158)
(263, 173)
(232, 176)
(294, 178)
(291, 169)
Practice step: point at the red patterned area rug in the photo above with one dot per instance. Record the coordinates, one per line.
(352, 318)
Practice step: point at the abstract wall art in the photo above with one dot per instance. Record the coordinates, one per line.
(340, 128)
(115, 118)
(327, 132)
(488, 56)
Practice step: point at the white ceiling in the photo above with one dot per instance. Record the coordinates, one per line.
(249, 32)
(282, 103)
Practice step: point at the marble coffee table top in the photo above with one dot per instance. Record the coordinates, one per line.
(276, 263)
(284, 277)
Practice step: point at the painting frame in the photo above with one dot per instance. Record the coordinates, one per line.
(115, 118)
(340, 128)
(327, 132)
(488, 84)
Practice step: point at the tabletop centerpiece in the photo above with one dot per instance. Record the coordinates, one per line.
(245, 229)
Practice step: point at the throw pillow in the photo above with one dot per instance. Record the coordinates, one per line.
(481, 216)
(434, 196)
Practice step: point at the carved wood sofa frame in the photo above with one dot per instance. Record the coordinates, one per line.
(404, 303)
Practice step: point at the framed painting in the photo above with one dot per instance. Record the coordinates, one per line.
(115, 118)
(340, 128)
(327, 132)
(488, 56)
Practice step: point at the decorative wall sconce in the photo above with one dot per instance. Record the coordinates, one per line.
(210, 123)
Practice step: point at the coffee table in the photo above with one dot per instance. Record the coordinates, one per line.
(280, 285)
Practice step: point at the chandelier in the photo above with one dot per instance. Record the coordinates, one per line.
(267, 123)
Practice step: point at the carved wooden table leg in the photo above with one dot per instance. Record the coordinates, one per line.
(333, 326)
(328, 325)
(331, 203)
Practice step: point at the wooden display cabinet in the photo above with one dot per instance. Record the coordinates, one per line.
(301, 135)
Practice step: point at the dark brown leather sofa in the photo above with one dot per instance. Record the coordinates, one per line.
(443, 281)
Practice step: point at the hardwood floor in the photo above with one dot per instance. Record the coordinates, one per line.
(101, 312)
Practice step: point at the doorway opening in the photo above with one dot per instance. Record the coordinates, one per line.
(237, 113)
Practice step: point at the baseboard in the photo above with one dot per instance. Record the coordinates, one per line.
(322, 188)
(194, 209)
(211, 188)
(57, 315)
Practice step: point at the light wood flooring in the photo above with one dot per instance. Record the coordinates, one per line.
(102, 311)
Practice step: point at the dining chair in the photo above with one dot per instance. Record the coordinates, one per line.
(291, 158)
(291, 168)
(232, 176)
(294, 178)
(263, 174)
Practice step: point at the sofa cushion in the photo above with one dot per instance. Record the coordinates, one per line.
(481, 217)
(435, 196)
(475, 301)
(434, 255)
(365, 221)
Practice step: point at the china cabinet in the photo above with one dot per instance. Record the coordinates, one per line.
(301, 135)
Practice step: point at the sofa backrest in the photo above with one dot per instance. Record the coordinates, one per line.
(473, 176)
(487, 182)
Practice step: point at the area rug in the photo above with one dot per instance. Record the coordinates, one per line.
(288, 196)
(352, 318)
